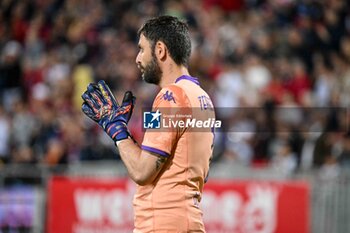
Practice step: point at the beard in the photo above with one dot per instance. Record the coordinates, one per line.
(152, 72)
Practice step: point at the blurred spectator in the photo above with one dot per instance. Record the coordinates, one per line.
(23, 125)
(10, 73)
(284, 160)
(307, 150)
(4, 136)
(229, 90)
(344, 157)
(330, 170)
(299, 82)
(257, 77)
(325, 85)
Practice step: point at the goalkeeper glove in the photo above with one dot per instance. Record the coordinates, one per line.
(101, 106)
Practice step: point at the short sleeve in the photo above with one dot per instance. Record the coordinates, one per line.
(161, 141)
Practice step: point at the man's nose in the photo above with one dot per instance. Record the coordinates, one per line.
(137, 60)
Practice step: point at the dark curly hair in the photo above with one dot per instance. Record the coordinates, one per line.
(173, 33)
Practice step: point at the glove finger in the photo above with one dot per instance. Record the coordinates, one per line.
(128, 104)
(93, 87)
(91, 101)
(97, 97)
(90, 112)
(129, 98)
(107, 94)
(95, 92)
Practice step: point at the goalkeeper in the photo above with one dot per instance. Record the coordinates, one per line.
(170, 167)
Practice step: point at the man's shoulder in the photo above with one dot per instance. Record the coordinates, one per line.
(172, 94)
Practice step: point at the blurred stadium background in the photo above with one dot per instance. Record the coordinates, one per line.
(272, 171)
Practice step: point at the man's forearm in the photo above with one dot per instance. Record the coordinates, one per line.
(143, 166)
(130, 153)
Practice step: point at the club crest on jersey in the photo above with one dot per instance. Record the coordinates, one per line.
(169, 96)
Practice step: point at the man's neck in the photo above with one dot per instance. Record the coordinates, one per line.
(171, 74)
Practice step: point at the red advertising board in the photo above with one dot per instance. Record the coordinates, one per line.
(256, 207)
(82, 205)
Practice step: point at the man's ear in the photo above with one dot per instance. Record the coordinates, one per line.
(161, 51)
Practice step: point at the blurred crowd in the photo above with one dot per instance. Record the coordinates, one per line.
(256, 58)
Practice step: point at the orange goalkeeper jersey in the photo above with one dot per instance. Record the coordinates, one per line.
(171, 202)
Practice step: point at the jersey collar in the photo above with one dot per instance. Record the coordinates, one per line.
(189, 78)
